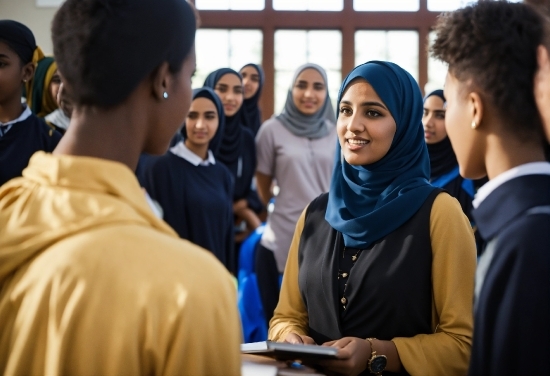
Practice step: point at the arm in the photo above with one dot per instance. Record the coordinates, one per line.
(290, 316)
(263, 186)
(447, 350)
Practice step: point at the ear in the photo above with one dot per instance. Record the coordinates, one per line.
(476, 107)
(27, 72)
(542, 58)
(161, 82)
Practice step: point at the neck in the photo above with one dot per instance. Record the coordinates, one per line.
(10, 110)
(200, 150)
(505, 153)
(115, 134)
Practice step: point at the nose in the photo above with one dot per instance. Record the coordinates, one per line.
(199, 124)
(427, 121)
(355, 124)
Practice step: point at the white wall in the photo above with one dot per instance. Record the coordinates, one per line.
(38, 19)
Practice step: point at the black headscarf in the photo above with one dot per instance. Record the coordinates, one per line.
(206, 92)
(232, 142)
(19, 38)
(251, 116)
(442, 156)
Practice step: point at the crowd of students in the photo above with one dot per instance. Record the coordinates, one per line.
(410, 233)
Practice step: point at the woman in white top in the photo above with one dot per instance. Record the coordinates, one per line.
(295, 150)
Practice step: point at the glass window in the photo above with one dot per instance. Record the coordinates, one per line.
(397, 46)
(387, 5)
(296, 47)
(230, 4)
(327, 5)
(220, 48)
(437, 70)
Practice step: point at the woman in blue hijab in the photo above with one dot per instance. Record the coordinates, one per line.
(194, 190)
(381, 267)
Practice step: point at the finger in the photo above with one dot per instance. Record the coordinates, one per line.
(308, 340)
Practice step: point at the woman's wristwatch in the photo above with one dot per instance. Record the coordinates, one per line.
(377, 363)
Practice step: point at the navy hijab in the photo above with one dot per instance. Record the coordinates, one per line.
(232, 140)
(369, 202)
(206, 92)
(251, 116)
(442, 156)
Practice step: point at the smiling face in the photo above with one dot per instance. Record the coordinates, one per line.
(466, 141)
(230, 90)
(309, 92)
(251, 81)
(433, 120)
(365, 126)
(202, 122)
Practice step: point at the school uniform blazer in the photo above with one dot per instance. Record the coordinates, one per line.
(512, 327)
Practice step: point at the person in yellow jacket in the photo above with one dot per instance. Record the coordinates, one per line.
(91, 281)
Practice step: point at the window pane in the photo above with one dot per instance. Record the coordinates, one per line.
(397, 46)
(230, 4)
(296, 47)
(387, 5)
(328, 5)
(437, 70)
(220, 48)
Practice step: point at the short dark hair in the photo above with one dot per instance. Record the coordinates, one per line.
(493, 46)
(105, 48)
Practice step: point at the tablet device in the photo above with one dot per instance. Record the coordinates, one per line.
(289, 351)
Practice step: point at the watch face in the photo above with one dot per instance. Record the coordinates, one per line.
(378, 364)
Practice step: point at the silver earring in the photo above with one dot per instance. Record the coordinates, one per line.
(165, 95)
(474, 125)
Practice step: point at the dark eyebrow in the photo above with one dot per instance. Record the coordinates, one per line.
(365, 104)
(3, 55)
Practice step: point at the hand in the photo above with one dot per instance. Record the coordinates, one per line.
(299, 339)
(353, 356)
(239, 206)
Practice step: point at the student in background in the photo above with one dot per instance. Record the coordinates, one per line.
(495, 129)
(237, 151)
(382, 266)
(41, 91)
(92, 281)
(443, 164)
(195, 192)
(253, 83)
(21, 132)
(295, 150)
(61, 117)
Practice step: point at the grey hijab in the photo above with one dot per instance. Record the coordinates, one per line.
(317, 125)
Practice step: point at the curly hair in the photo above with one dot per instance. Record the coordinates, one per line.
(105, 48)
(492, 46)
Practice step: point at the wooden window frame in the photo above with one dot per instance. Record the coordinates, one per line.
(348, 21)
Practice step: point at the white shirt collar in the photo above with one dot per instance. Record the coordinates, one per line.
(183, 151)
(24, 115)
(533, 168)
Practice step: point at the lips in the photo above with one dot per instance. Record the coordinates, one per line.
(356, 143)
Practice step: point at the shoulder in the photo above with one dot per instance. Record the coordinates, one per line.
(445, 206)
(269, 129)
(41, 126)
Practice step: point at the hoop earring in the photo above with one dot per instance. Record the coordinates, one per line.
(165, 95)
(474, 125)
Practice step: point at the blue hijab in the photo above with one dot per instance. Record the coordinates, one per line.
(231, 147)
(369, 202)
(206, 92)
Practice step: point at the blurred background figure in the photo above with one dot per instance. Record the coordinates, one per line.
(296, 152)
